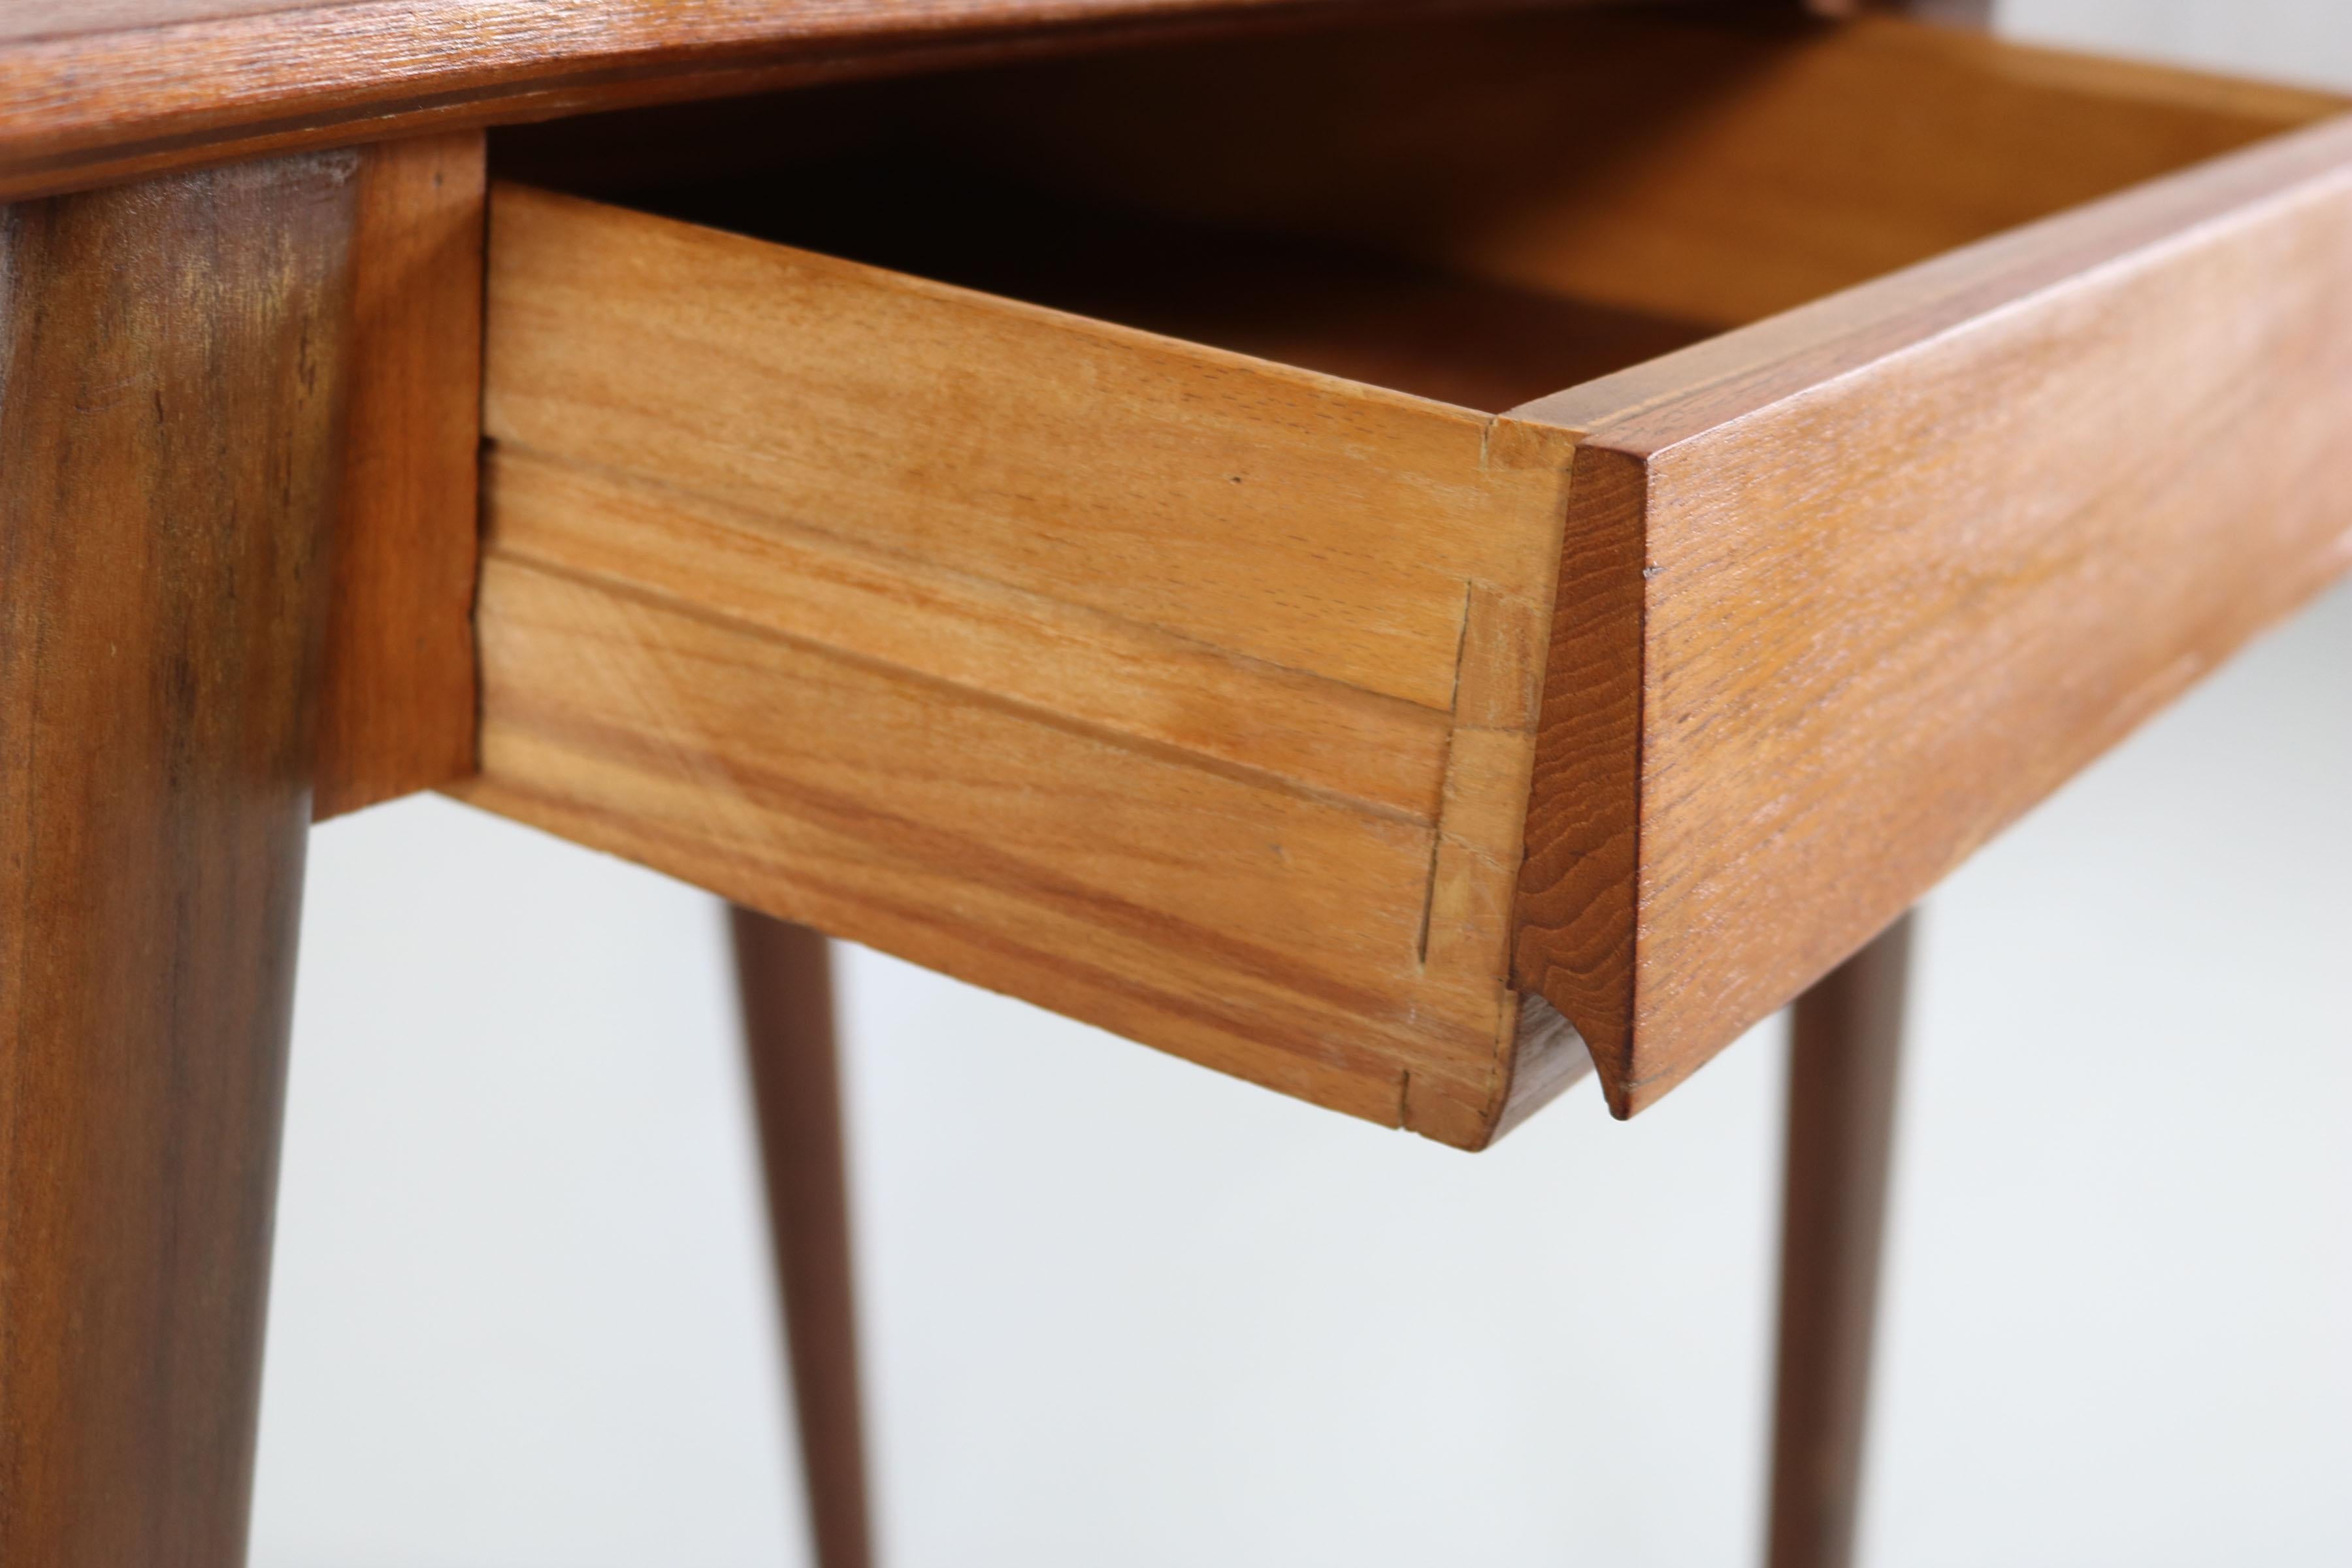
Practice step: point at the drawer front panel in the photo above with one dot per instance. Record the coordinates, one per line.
(1909, 559)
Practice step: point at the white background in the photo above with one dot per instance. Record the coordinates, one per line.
(1121, 1311)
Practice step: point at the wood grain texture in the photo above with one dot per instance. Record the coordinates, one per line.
(1213, 917)
(1902, 562)
(1845, 1056)
(1185, 693)
(784, 974)
(168, 426)
(1159, 691)
(398, 708)
(609, 328)
(94, 93)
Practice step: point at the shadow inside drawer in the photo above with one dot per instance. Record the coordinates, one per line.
(1343, 311)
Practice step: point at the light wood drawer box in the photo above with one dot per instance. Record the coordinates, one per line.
(1292, 675)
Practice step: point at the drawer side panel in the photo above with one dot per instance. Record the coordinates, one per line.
(1189, 695)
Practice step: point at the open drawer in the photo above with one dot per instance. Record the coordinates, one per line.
(1113, 529)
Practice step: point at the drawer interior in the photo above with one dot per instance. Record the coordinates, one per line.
(1480, 211)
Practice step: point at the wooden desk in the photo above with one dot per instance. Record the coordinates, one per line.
(1103, 522)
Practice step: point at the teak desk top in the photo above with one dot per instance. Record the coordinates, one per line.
(1111, 527)
(98, 90)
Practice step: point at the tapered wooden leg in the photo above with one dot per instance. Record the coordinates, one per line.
(1842, 1076)
(786, 973)
(169, 383)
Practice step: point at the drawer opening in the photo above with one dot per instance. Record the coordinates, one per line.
(1480, 210)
